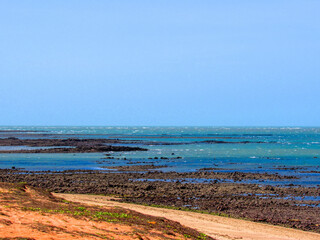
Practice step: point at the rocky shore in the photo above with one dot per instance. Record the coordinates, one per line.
(291, 206)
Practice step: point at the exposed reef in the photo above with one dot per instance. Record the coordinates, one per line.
(69, 145)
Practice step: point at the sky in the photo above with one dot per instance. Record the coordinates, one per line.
(160, 62)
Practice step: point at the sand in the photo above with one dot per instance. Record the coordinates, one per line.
(31, 214)
(220, 228)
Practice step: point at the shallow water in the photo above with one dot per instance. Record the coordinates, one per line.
(292, 151)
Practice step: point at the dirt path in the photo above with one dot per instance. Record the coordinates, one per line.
(217, 227)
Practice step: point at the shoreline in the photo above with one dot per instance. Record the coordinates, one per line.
(284, 206)
(283, 195)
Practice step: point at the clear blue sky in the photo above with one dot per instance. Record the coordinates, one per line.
(160, 62)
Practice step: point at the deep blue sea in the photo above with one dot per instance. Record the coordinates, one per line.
(283, 150)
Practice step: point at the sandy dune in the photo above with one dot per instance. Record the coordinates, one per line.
(217, 227)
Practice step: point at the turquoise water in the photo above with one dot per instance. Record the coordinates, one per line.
(282, 150)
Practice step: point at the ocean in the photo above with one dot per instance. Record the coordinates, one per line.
(280, 150)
